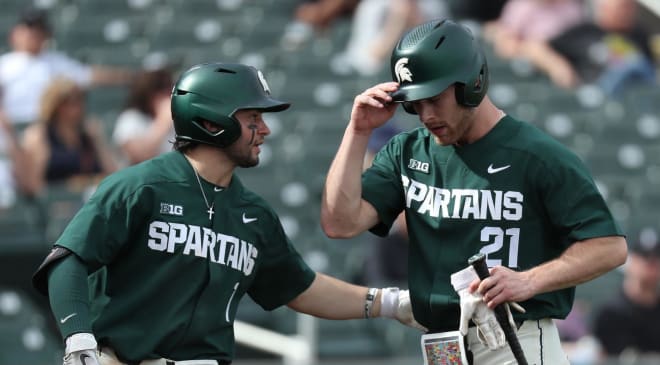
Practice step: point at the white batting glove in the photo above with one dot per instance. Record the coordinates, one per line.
(395, 303)
(81, 349)
(473, 307)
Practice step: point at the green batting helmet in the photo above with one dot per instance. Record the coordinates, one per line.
(434, 55)
(214, 92)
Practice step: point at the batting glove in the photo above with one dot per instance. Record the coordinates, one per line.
(473, 307)
(81, 349)
(395, 303)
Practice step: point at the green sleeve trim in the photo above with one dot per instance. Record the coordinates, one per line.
(69, 296)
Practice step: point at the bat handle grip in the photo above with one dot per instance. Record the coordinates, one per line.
(478, 262)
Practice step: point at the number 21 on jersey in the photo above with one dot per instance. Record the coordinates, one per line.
(495, 239)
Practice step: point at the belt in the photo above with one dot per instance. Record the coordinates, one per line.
(107, 356)
(517, 323)
(184, 362)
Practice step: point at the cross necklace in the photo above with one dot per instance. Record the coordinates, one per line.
(206, 201)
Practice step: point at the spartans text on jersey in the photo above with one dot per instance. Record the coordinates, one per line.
(462, 203)
(203, 242)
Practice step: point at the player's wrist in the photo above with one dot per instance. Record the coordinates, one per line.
(370, 301)
(80, 341)
(359, 131)
(389, 302)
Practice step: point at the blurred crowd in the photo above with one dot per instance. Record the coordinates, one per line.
(50, 138)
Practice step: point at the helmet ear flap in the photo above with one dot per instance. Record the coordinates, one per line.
(471, 95)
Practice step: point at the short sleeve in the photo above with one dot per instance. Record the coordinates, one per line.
(103, 225)
(382, 186)
(282, 275)
(581, 211)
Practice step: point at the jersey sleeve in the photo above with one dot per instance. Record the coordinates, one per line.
(572, 200)
(104, 223)
(282, 274)
(382, 186)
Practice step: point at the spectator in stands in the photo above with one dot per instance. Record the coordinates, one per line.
(13, 180)
(144, 129)
(376, 27)
(631, 320)
(29, 67)
(314, 16)
(538, 20)
(610, 50)
(64, 147)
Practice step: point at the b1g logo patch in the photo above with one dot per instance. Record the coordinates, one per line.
(171, 209)
(418, 165)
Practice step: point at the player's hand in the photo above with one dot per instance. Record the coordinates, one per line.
(373, 107)
(81, 349)
(505, 285)
(474, 307)
(395, 303)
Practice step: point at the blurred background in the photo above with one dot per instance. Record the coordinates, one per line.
(583, 71)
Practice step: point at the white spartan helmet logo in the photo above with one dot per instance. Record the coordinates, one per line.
(401, 71)
(264, 84)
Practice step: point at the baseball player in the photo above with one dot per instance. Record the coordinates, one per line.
(472, 179)
(152, 268)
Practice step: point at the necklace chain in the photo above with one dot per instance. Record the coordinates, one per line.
(206, 201)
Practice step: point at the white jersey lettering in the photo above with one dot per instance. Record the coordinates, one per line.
(178, 235)
(477, 204)
(513, 206)
(194, 242)
(157, 236)
(202, 242)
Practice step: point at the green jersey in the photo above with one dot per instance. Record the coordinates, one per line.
(166, 278)
(516, 195)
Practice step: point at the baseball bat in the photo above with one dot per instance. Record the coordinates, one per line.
(478, 262)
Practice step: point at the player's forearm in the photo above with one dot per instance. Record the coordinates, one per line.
(69, 297)
(331, 298)
(341, 203)
(581, 262)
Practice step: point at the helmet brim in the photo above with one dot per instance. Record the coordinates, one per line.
(267, 105)
(414, 92)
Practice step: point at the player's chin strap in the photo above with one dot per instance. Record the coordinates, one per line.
(395, 304)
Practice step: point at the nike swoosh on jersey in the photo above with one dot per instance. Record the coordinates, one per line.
(67, 317)
(217, 189)
(248, 220)
(493, 170)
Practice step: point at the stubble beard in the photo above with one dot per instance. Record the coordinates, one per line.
(242, 157)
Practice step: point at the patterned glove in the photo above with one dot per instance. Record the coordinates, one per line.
(81, 349)
(473, 307)
(395, 303)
